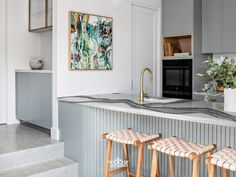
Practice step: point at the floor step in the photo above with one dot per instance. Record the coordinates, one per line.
(22, 145)
(20, 137)
(33, 155)
(62, 167)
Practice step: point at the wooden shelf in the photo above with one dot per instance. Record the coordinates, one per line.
(177, 44)
(177, 57)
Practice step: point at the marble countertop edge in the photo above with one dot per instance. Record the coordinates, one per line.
(198, 118)
(123, 107)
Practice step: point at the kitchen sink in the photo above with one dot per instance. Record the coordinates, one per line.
(161, 100)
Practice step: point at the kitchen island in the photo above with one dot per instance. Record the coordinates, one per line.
(83, 119)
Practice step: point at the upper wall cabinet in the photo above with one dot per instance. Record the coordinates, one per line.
(177, 17)
(229, 26)
(40, 15)
(211, 26)
(218, 26)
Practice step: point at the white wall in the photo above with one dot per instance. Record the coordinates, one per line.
(3, 60)
(94, 82)
(55, 134)
(21, 47)
(46, 49)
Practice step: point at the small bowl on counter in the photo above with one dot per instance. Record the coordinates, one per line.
(36, 64)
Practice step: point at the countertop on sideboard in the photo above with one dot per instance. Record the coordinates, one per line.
(33, 71)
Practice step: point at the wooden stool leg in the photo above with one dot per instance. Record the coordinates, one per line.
(140, 161)
(225, 172)
(171, 166)
(158, 167)
(108, 158)
(196, 166)
(208, 157)
(212, 170)
(155, 172)
(126, 157)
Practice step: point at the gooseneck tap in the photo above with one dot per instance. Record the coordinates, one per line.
(142, 94)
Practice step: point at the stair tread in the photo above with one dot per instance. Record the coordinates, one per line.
(37, 168)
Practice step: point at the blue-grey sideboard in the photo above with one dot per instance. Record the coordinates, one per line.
(34, 97)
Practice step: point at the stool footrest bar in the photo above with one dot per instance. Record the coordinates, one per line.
(134, 174)
(114, 172)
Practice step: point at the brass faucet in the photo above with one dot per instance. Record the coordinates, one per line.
(142, 94)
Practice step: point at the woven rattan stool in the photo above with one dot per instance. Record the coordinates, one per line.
(127, 137)
(175, 147)
(226, 159)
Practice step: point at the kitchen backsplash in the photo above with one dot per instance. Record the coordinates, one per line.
(218, 56)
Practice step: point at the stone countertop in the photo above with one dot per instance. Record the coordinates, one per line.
(187, 110)
(33, 71)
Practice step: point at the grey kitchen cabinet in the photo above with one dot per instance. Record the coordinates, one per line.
(229, 26)
(177, 17)
(22, 97)
(218, 26)
(34, 98)
(184, 18)
(211, 26)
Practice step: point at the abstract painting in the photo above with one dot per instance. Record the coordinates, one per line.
(90, 42)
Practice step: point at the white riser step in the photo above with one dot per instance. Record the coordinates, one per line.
(29, 156)
(62, 167)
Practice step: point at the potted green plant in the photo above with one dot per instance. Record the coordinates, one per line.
(222, 76)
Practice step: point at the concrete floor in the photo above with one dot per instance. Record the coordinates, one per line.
(28, 152)
(20, 137)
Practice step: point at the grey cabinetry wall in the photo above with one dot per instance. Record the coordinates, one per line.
(211, 26)
(177, 17)
(218, 26)
(34, 98)
(229, 26)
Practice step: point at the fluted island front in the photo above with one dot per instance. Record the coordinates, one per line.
(82, 120)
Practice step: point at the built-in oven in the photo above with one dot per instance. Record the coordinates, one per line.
(177, 78)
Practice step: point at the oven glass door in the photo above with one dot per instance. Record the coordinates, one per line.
(177, 79)
(173, 78)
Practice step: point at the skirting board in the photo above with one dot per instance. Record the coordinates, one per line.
(55, 133)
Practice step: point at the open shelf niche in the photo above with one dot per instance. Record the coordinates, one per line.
(177, 47)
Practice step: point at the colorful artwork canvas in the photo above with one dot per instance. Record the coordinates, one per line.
(90, 42)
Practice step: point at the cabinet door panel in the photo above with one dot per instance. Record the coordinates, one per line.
(50, 13)
(37, 14)
(23, 105)
(212, 26)
(144, 33)
(229, 26)
(177, 17)
(41, 99)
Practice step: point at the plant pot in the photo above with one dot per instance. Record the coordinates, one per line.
(230, 100)
(220, 89)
